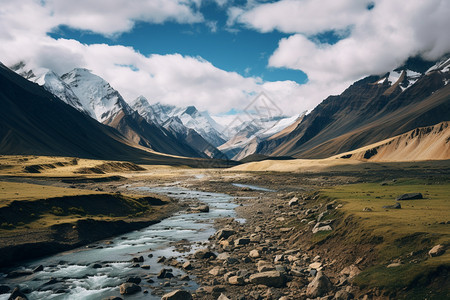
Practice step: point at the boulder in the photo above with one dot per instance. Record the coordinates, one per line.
(236, 280)
(217, 271)
(343, 295)
(16, 293)
(317, 229)
(38, 269)
(254, 254)
(165, 273)
(263, 266)
(223, 297)
(268, 278)
(134, 279)
(241, 241)
(395, 206)
(177, 295)
(187, 266)
(293, 201)
(224, 233)
(350, 271)
(204, 254)
(129, 288)
(409, 196)
(138, 259)
(113, 298)
(202, 208)
(319, 286)
(437, 250)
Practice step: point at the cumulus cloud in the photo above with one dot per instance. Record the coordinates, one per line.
(381, 38)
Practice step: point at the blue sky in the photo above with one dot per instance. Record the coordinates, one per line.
(237, 49)
(219, 54)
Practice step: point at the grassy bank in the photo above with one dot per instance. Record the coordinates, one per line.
(38, 220)
(400, 238)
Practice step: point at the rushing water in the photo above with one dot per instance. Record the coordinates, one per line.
(73, 274)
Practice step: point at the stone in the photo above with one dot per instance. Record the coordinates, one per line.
(410, 196)
(395, 206)
(113, 298)
(278, 258)
(187, 266)
(437, 250)
(224, 233)
(138, 259)
(223, 297)
(343, 295)
(129, 288)
(319, 286)
(236, 280)
(217, 271)
(263, 266)
(202, 208)
(38, 269)
(185, 278)
(17, 293)
(394, 265)
(165, 273)
(145, 267)
(4, 289)
(204, 254)
(315, 265)
(223, 256)
(367, 209)
(177, 295)
(254, 254)
(96, 266)
(350, 271)
(241, 241)
(268, 278)
(134, 279)
(293, 201)
(317, 229)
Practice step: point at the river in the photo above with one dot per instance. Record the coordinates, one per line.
(73, 275)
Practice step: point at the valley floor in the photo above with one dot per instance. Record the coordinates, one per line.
(329, 220)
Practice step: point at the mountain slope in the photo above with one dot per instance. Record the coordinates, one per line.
(33, 121)
(372, 109)
(424, 143)
(159, 114)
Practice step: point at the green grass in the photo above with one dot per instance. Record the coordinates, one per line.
(405, 234)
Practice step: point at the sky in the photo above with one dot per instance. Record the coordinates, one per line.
(220, 54)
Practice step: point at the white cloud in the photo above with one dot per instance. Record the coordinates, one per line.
(380, 39)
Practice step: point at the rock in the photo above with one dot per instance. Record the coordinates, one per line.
(38, 269)
(187, 266)
(269, 278)
(437, 250)
(19, 273)
(177, 295)
(4, 289)
(165, 273)
(278, 258)
(224, 233)
(367, 209)
(96, 266)
(241, 241)
(409, 196)
(394, 265)
(395, 206)
(223, 297)
(317, 229)
(263, 266)
(217, 271)
(202, 208)
(223, 256)
(204, 254)
(185, 278)
(145, 267)
(236, 280)
(254, 254)
(134, 279)
(129, 288)
(293, 201)
(113, 298)
(138, 259)
(17, 294)
(319, 286)
(343, 295)
(315, 265)
(161, 259)
(350, 271)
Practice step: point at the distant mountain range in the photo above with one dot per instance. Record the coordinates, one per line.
(371, 110)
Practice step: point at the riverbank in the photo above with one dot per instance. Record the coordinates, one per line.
(38, 220)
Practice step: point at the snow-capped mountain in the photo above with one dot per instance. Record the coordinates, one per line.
(250, 133)
(189, 116)
(95, 94)
(50, 81)
(166, 117)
